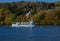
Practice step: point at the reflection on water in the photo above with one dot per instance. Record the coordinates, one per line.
(37, 33)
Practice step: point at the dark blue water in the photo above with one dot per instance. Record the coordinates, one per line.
(37, 33)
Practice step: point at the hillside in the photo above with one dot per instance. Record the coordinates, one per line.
(43, 13)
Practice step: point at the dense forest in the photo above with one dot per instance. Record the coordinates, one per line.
(43, 13)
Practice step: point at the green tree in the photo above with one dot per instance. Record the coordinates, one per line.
(10, 19)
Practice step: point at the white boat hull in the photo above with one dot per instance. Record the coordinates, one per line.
(22, 26)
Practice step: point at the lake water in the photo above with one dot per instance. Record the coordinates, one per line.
(37, 33)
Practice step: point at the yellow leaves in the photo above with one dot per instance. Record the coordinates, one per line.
(39, 17)
(50, 16)
(23, 18)
(1, 11)
(6, 20)
(9, 19)
(7, 13)
(1, 22)
(36, 16)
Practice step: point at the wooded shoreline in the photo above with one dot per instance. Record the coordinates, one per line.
(43, 13)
